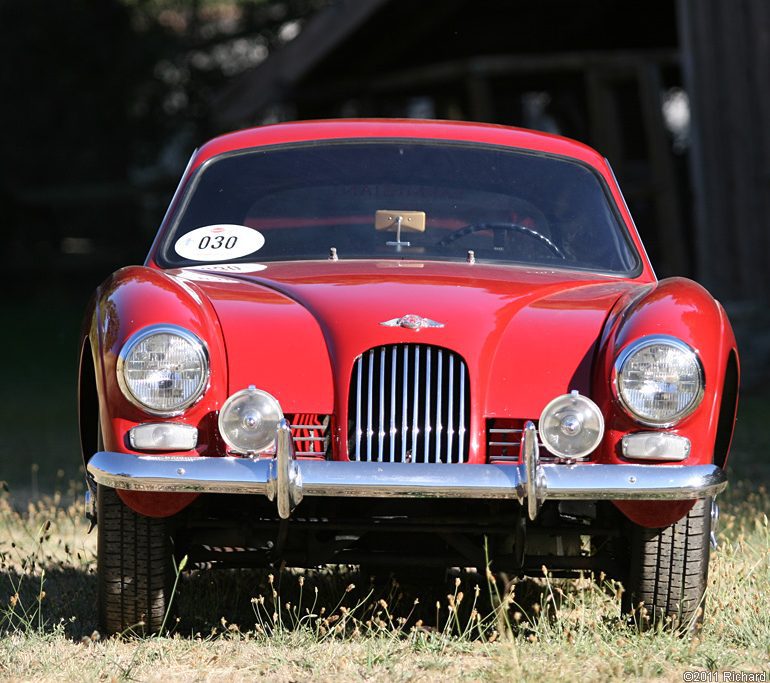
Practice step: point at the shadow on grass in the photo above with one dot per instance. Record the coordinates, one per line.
(218, 601)
(64, 599)
(271, 601)
(464, 603)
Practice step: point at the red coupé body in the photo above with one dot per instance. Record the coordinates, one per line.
(488, 331)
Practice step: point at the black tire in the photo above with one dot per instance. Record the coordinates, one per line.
(668, 571)
(135, 567)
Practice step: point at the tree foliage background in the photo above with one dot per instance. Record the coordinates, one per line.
(103, 102)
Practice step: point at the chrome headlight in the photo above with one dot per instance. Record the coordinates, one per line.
(248, 421)
(571, 426)
(163, 369)
(658, 380)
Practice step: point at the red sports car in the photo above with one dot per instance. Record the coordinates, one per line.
(403, 344)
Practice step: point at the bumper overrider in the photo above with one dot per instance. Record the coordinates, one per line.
(286, 480)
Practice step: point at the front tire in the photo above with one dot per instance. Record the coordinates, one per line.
(135, 569)
(668, 571)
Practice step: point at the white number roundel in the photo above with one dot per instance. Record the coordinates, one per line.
(219, 243)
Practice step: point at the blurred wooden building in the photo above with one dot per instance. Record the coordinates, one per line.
(673, 92)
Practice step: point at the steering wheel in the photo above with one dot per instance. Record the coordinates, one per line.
(498, 228)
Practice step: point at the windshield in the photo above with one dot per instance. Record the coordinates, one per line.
(401, 200)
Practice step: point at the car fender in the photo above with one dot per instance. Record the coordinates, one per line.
(119, 310)
(683, 309)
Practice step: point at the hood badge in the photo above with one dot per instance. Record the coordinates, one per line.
(412, 322)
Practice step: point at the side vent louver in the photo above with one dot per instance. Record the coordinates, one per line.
(310, 433)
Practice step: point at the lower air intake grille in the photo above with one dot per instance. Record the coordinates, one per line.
(310, 433)
(409, 403)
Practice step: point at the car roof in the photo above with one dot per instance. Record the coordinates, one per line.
(346, 129)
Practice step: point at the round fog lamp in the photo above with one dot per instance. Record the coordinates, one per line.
(248, 421)
(571, 426)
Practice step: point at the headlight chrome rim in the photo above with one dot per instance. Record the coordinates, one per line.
(640, 344)
(201, 350)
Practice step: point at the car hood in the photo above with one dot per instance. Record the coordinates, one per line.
(526, 334)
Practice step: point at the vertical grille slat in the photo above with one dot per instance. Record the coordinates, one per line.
(393, 371)
(428, 392)
(417, 396)
(461, 423)
(359, 370)
(415, 428)
(369, 429)
(451, 413)
(381, 434)
(403, 404)
(439, 379)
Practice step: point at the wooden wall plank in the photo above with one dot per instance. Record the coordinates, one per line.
(726, 62)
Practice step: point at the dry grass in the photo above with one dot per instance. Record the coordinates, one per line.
(331, 625)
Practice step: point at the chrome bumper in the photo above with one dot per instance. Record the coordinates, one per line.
(286, 480)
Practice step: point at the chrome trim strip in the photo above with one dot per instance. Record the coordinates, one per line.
(439, 429)
(176, 199)
(404, 404)
(411, 480)
(629, 240)
(381, 433)
(450, 419)
(175, 474)
(714, 523)
(359, 363)
(288, 477)
(461, 430)
(581, 481)
(530, 456)
(393, 369)
(369, 428)
(416, 396)
(632, 482)
(426, 439)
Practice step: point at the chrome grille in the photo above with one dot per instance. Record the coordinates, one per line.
(504, 441)
(310, 433)
(409, 403)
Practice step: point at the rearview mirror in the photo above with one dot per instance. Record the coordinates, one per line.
(410, 221)
(396, 221)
